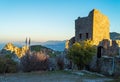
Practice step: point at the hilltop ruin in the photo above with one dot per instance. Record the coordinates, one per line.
(96, 27)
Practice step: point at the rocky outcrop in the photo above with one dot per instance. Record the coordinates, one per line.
(69, 43)
(15, 50)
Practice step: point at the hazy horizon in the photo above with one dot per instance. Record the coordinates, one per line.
(44, 20)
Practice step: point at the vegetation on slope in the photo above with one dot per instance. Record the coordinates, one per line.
(21, 51)
(48, 51)
(7, 65)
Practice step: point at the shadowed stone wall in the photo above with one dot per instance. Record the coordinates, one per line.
(110, 47)
(82, 27)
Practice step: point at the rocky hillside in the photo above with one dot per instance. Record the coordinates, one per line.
(48, 51)
(115, 36)
(15, 50)
(10, 48)
(52, 44)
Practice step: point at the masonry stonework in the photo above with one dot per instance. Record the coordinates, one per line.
(94, 27)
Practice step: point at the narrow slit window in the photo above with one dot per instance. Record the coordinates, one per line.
(86, 35)
(80, 35)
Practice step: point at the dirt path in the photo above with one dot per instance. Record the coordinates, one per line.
(58, 76)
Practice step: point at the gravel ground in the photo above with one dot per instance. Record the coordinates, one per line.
(58, 76)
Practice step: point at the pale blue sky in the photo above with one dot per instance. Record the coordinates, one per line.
(44, 20)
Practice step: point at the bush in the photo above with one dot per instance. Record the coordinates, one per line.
(60, 62)
(34, 61)
(2, 65)
(11, 66)
(7, 65)
(81, 53)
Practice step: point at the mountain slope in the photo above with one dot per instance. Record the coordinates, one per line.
(115, 36)
(55, 45)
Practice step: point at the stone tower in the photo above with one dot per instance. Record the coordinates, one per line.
(94, 27)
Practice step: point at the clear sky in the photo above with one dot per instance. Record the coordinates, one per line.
(44, 20)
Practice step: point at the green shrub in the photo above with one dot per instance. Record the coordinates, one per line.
(11, 66)
(81, 53)
(52, 54)
(60, 62)
(8, 56)
(7, 65)
(2, 65)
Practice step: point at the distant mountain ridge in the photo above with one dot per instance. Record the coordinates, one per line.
(54, 42)
(55, 45)
(58, 45)
(115, 36)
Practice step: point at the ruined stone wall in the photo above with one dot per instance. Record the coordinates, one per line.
(95, 25)
(109, 47)
(106, 65)
(100, 27)
(118, 42)
(117, 66)
(110, 65)
(82, 26)
(67, 44)
(71, 41)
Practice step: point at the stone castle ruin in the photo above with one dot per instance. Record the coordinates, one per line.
(96, 27)
(91, 27)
